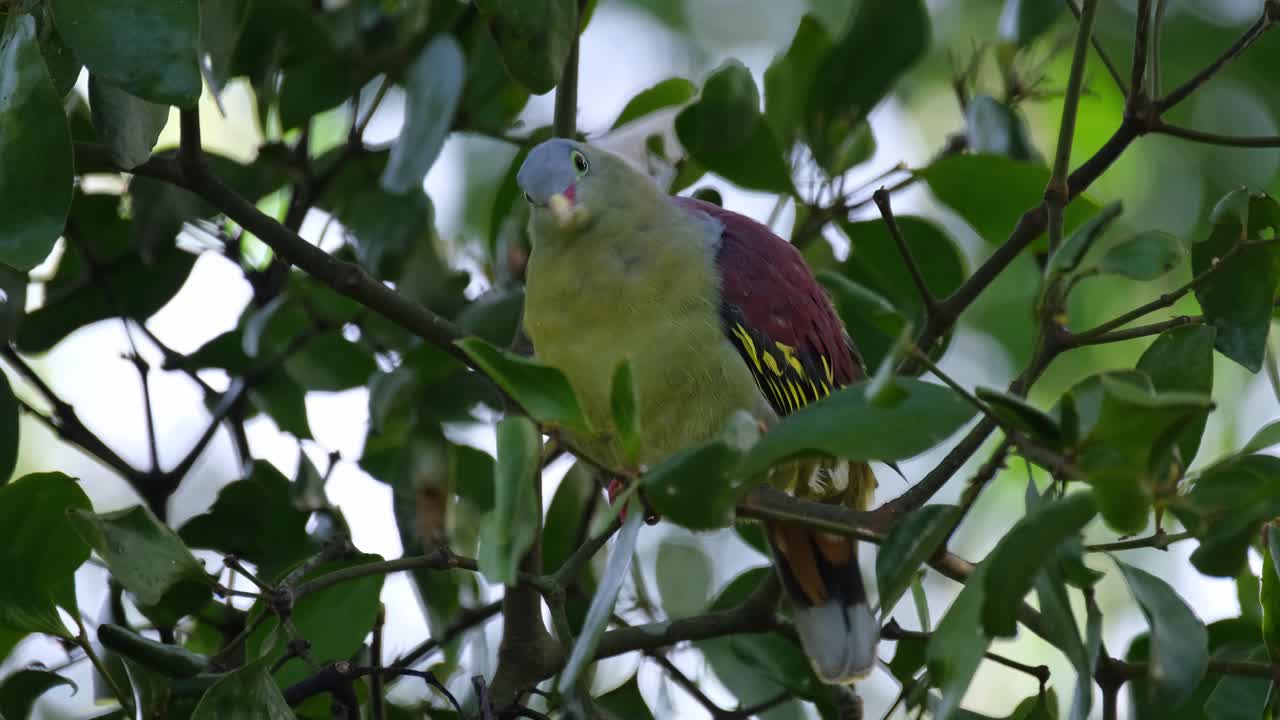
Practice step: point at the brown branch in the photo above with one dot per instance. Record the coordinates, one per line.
(881, 198)
(1199, 136)
(466, 619)
(1107, 62)
(1141, 37)
(1159, 540)
(1140, 331)
(1251, 35)
(1056, 192)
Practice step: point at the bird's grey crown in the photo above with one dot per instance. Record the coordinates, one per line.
(548, 170)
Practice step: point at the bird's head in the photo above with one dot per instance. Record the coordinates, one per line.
(570, 185)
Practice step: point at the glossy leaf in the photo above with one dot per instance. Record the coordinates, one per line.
(20, 689)
(244, 694)
(534, 38)
(542, 391)
(911, 542)
(1145, 256)
(991, 192)
(509, 531)
(699, 486)
(1068, 256)
(128, 125)
(255, 519)
(996, 128)
(146, 48)
(958, 643)
(848, 425)
(625, 701)
(170, 660)
(788, 81)
(13, 301)
(39, 544)
(8, 430)
(867, 315)
(148, 559)
(1181, 360)
(433, 86)
(566, 515)
(668, 93)
(1225, 507)
(1014, 570)
(1266, 437)
(1179, 641)
(1023, 416)
(725, 131)
(1238, 296)
(33, 205)
(1270, 593)
(601, 609)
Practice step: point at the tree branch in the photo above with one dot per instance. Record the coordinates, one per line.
(1135, 332)
(1250, 36)
(1199, 136)
(1159, 541)
(1056, 192)
(881, 198)
(1112, 68)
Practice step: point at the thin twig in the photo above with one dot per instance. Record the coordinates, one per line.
(1199, 136)
(1159, 541)
(1140, 331)
(881, 198)
(1141, 39)
(1056, 193)
(1112, 68)
(1183, 91)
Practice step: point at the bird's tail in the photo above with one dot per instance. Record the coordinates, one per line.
(833, 618)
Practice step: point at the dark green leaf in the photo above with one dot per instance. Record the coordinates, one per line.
(170, 660)
(33, 204)
(847, 425)
(625, 702)
(699, 486)
(908, 657)
(601, 609)
(1225, 507)
(494, 316)
(148, 559)
(39, 544)
(1181, 360)
(284, 401)
(1270, 594)
(1073, 249)
(433, 85)
(126, 124)
(1061, 629)
(248, 693)
(221, 25)
(8, 430)
(1248, 595)
(254, 519)
(329, 362)
(386, 227)
(1179, 641)
(534, 38)
(958, 644)
(1022, 21)
(1237, 697)
(788, 80)
(307, 488)
(20, 690)
(1145, 256)
(320, 84)
(869, 316)
(910, 543)
(144, 47)
(668, 93)
(13, 301)
(490, 100)
(565, 517)
(991, 191)
(511, 528)
(684, 578)
(1014, 569)
(64, 66)
(1266, 437)
(542, 391)
(995, 128)
(725, 132)
(1023, 416)
(882, 41)
(626, 415)
(334, 620)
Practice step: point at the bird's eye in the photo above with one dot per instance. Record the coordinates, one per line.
(580, 162)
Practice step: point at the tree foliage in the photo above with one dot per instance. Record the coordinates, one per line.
(260, 605)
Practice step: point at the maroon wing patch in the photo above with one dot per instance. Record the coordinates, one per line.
(776, 314)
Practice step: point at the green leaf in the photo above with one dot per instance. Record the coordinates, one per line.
(542, 391)
(1073, 249)
(147, 559)
(958, 644)
(13, 301)
(534, 38)
(1270, 594)
(128, 125)
(788, 80)
(625, 702)
(725, 132)
(1022, 21)
(1145, 256)
(1181, 360)
(1237, 697)
(254, 518)
(601, 609)
(64, 66)
(996, 128)
(668, 93)
(221, 26)
(684, 578)
(908, 657)
(1023, 416)
(1237, 297)
(433, 86)
(334, 620)
(565, 516)
(626, 414)
(284, 401)
(699, 486)
(20, 690)
(33, 204)
(869, 316)
(248, 693)
(512, 527)
(882, 41)
(329, 362)
(911, 542)
(1179, 640)
(1225, 507)
(1014, 569)
(38, 543)
(170, 660)
(144, 47)
(1063, 632)
(1267, 436)
(846, 424)
(876, 263)
(8, 430)
(991, 191)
